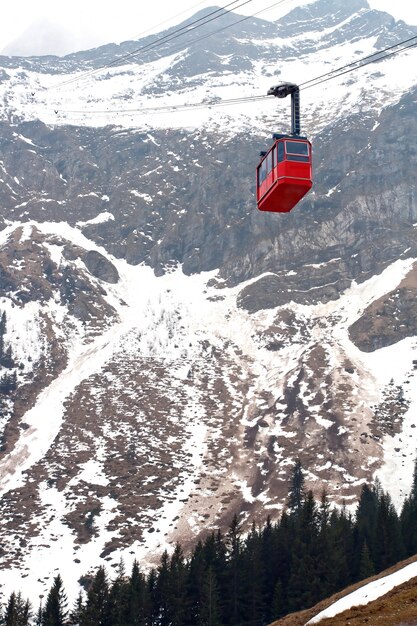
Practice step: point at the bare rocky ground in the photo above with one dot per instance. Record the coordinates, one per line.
(153, 451)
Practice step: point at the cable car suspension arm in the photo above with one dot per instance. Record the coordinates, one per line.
(285, 89)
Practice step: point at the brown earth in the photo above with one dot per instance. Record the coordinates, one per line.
(396, 608)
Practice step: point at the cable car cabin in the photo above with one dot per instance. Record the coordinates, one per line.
(284, 174)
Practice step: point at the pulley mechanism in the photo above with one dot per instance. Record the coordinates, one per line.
(282, 91)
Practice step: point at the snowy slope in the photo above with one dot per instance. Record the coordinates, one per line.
(150, 94)
(177, 337)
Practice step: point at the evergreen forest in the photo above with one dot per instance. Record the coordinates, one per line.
(7, 377)
(236, 579)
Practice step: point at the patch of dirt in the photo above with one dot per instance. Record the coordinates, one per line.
(396, 608)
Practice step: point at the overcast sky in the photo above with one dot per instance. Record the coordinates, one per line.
(55, 27)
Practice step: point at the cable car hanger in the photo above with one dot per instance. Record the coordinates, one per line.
(282, 91)
(284, 173)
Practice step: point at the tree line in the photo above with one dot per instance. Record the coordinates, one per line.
(8, 379)
(244, 579)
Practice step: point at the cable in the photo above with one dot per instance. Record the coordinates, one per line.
(173, 107)
(168, 107)
(242, 19)
(360, 60)
(165, 39)
(414, 45)
(169, 19)
(313, 82)
(168, 38)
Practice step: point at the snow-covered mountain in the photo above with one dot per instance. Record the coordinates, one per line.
(176, 350)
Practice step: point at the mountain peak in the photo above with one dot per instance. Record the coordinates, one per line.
(320, 15)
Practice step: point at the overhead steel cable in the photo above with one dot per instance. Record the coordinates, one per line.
(354, 63)
(169, 19)
(167, 38)
(173, 107)
(193, 41)
(414, 45)
(313, 82)
(202, 21)
(239, 21)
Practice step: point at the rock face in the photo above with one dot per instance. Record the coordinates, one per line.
(100, 267)
(389, 319)
(204, 217)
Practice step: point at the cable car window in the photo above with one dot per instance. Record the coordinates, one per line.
(269, 162)
(280, 152)
(261, 172)
(297, 150)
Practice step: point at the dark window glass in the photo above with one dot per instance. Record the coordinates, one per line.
(269, 163)
(297, 150)
(297, 147)
(261, 172)
(280, 152)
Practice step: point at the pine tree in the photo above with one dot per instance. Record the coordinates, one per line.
(8, 382)
(413, 493)
(325, 566)
(253, 577)
(366, 567)
(388, 543)
(341, 551)
(278, 603)
(281, 545)
(2, 333)
(118, 600)
(218, 561)
(365, 527)
(408, 517)
(233, 571)
(296, 494)
(408, 521)
(304, 587)
(162, 592)
(3, 323)
(7, 358)
(55, 611)
(177, 588)
(38, 619)
(269, 558)
(77, 611)
(152, 595)
(17, 611)
(210, 610)
(195, 583)
(96, 609)
(137, 602)
(324, 512)
(9, 617)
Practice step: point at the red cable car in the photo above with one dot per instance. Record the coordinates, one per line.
(284, 174)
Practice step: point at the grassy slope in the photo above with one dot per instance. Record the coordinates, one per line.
(396, 608)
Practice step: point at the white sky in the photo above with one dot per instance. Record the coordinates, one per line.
(49, 27)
